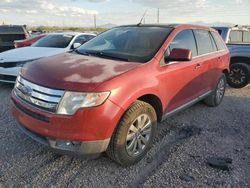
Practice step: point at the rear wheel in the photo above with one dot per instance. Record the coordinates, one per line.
(239, 75)
(217, 95)
(134, 134)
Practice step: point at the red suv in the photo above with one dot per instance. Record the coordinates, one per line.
(109, 94)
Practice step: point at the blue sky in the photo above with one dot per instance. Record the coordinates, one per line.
(81, 12)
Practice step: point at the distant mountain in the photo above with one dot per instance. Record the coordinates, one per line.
(107, 26)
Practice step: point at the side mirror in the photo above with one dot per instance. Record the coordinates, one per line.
(76, 45)
(179, 54)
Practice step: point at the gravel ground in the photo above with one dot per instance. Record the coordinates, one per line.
(182, 145)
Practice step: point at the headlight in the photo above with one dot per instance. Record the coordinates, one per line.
(72, 101)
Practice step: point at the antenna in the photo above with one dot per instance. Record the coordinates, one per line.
(142, 18)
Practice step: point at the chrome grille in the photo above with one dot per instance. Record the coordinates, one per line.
(36, 95)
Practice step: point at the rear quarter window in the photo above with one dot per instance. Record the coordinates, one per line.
(204, 42)
(219, 43)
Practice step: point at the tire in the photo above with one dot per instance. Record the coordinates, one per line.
(239, 75)
(125, 137)
(217, 95)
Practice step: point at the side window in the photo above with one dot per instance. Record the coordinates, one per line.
(219, 31)
(184, 39)
(204, 42)
(246, 36)
(89, 37)
(218, 41)
(213, 43)
(235, 37)
(80, 39)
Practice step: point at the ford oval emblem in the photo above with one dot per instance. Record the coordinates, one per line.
(26, 90)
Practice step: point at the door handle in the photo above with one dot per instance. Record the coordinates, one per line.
(198, 66)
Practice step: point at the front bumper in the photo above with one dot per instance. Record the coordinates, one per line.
(88, 131)
(88, 149)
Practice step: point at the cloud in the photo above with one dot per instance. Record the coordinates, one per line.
(94, 1)
(46, 12)
(43, 7)
(97, 1)
(181, 5)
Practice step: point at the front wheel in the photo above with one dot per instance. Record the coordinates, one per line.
(239, 75)
(217, 95)
(134, 134)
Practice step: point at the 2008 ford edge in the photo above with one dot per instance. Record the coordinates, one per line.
(109, 94)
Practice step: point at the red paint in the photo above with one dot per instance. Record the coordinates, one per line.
(28, 41)
(174, 85)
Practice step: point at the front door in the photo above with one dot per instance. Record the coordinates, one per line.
(182, 80)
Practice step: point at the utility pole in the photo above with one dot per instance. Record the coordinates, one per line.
(158, 15)
(95, 20)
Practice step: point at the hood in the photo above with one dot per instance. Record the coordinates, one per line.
(74, 72)
(28, 53)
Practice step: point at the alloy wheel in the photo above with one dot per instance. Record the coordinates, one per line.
(138, 135)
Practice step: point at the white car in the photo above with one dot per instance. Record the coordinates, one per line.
(11, 61)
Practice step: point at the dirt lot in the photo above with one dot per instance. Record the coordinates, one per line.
(177, 158)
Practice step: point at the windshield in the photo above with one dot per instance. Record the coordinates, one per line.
(54, 41)
(134, 43)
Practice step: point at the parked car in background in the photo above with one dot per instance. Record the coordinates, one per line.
(10, 33)
(27, 42)
(238, 43)
(109, 94)
(52, 44)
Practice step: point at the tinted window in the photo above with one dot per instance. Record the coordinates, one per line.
(81, 39)
(246, 36)
(219, 31)
(128, 43)
(218, 41)
(235, 37)
(54, 41)
(89, 37)
(185, 39)
(203, 41)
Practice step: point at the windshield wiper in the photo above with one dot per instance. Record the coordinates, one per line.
(109, 56)
(100, 54)
(82, 53)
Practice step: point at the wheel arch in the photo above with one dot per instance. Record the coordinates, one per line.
(155, 102)
(226, 72)
(240, 59)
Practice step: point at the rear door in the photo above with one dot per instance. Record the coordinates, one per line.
(208, 58)
(181, 80)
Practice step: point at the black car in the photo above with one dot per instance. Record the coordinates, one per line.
(9, 33)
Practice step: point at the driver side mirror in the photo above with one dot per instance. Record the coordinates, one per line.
(76, 45)
(178, 54)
